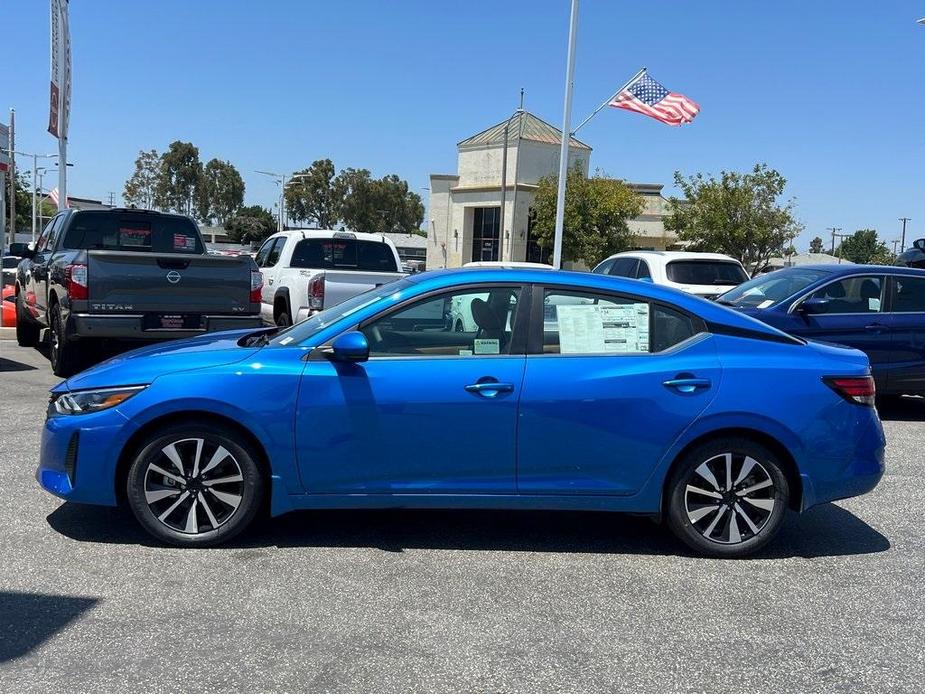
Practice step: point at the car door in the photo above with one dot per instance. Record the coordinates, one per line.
(852, 313)
(38, 282)
(432, 411)
(611, 381)
(266, 259)
(907, 349)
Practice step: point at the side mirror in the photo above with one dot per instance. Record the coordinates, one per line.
(814, 306)
(350, 346)
(920, 244)
(21, 250)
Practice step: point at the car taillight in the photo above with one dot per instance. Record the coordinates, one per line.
(256, 286)
(316, 293)
(857, 389)
(77, 282)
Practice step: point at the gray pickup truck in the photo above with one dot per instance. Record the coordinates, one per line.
(127, 274)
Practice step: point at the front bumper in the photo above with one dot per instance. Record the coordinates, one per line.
(130, 327)
(79, 454)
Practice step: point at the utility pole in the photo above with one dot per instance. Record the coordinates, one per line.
(12, 175)
(902, 244)
(834, 231)
(894, 242)
(112, 199)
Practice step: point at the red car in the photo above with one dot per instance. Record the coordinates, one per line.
(9, 307)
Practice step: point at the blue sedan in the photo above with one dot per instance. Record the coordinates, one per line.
(572, 391)
(879, 310)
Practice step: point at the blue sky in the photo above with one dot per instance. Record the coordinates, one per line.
(829, 93)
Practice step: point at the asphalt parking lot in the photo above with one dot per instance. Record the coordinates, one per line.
(454, 601)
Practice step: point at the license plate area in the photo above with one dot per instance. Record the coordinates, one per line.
(172, 321)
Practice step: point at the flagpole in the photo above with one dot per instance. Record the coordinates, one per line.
(566, 137)
(632, 79)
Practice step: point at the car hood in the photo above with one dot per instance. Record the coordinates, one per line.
(142, 366)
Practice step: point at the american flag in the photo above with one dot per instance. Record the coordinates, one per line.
(53, 196)
(646, 96)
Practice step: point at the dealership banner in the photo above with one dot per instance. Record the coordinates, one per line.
(4, 147)
(60, 102)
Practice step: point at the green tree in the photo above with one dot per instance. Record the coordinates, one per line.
(250, 225)
(864, 246)
(738, 214)
(815, 246)
(596, 213)
(379, 205)
(179, 177)
(220, 192)
(23, 190)
(141, 188)
(316, 195)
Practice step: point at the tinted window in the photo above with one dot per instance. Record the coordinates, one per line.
(852, 295)
(604, 268)
(908, 294)
(344, 254)
(42, 241)
(275, 250)
(624, 267)
(427, 328)
(705, 272)
(128, 232)
(261, 257)
(772, 288)
(670, 327)
(642, 271)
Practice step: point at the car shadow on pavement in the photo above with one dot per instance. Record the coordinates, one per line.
(13, 365)
(827, 530)
(904, 409)
(27, 620)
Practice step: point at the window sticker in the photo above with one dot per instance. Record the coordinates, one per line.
(138, 236)
(486, 346)
(286, 340)
(599, 329)
(873, 304)
(182, 242)
(765, 303)
(465, 352)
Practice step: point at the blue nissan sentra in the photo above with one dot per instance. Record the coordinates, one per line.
(571, 391)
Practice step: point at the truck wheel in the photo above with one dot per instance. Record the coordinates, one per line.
(283, 320)
(61, 353)
(27, 332)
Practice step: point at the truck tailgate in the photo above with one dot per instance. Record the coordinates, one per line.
(340, 285)
(127, 281)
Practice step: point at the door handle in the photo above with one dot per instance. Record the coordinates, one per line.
(489, 389)
(687, 384)
(876, 327)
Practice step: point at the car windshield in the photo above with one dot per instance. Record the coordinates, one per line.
(772, 288)
(308, 327)
(705, 272)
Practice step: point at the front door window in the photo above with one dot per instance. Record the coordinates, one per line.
(486, 233)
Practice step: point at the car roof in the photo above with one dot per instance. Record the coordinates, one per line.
(853, 269)
(332, 234)
(674, 255)
(709, 311)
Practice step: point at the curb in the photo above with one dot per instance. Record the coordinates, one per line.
(7, 333)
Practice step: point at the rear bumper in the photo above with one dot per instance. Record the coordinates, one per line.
(129, 327)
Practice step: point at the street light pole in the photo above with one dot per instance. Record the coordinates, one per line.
(566, 136)
(902, 243)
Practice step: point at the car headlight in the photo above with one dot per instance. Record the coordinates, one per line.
(87, 401)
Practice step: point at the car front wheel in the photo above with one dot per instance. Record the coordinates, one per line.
(727, 498)
(61, 351)
(195, 485)
(27, 331)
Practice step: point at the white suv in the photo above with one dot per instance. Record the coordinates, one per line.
(704, 274)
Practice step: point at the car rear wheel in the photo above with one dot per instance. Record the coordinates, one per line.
(727, 498)
(27, 331)
(195, 485)
(283, 320)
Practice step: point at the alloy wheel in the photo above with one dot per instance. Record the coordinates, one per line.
(729, 498)
(193, 485)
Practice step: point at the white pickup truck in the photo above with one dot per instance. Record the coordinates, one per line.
(307, 271)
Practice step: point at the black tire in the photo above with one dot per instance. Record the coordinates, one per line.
(61, 352)
(215, 518)
(283, 320)
(458, 327)
(27, 331)
(719, 519)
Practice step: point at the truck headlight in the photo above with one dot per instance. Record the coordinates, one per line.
(87, 401)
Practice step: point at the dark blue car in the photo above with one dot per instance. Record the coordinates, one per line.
(877, 309)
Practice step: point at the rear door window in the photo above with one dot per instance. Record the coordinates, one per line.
(343, 254)
(128, 232)
(706, 272)
(642, 272)
(908, 294)
(624, 267)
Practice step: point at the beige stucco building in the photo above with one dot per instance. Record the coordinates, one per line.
(465, 212)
